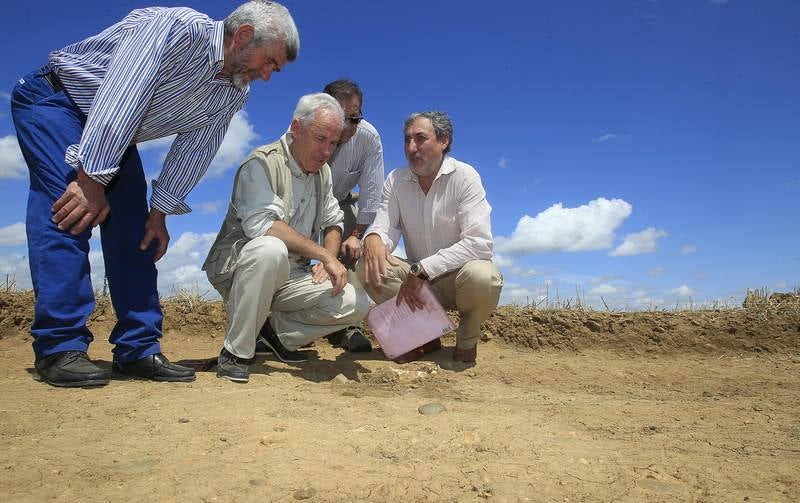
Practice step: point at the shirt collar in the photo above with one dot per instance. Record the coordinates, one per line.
(294, 168)
(217, 53)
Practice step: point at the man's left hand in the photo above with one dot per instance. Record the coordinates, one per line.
(409, 291)
(156, 228)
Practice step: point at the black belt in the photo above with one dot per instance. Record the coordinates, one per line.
(52, 78)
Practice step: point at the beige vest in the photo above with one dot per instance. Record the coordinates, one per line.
(224, 253)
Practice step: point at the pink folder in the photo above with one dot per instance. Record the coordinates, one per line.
(399, 330)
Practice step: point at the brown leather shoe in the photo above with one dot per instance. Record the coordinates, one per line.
(465, 355)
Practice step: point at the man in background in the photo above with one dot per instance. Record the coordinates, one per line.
(357, 160)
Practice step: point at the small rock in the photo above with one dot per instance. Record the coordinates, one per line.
(707, 394)
(279, 428)
(223, 439)
(487, 336)
(431, 409)
(183, 420)
(257, 482)
(340, 379)
(304, 494)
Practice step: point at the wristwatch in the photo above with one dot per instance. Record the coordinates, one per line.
(418, 271)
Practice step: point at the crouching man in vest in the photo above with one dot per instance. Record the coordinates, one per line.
(260, 262)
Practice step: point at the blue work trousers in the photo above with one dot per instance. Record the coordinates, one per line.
(47, 122)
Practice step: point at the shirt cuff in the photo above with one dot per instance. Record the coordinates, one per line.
(433, 266)
(73, 160)
(166, 203)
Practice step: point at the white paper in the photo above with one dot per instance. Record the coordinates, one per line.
(399, 329)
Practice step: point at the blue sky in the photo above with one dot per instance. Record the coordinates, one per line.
(644, 153)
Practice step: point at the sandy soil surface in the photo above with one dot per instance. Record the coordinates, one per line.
(561, 406)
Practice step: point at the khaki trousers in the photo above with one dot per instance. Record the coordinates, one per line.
(301, 311)
(473, 290)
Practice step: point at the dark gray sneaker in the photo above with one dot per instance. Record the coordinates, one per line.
(268, 339)
(233, 368)
(70, 369)
(355, 341)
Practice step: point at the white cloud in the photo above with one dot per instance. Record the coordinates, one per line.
(14, 268)
(606, 137)
(649, 302)
(588, 227)
(12, 165)
(13, 234)
(656, 271)
(235, 146)
(639, 242)
(687, 249)
(522, 272)
(516, 294)
(237, 143)
(503, 163)
(502, 260)
(682, 291)
(603, 290)
(209, 207)
(157, 144)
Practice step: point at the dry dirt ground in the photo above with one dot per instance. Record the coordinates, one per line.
(562, 406)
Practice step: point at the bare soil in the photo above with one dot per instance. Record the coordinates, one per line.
(563, 405)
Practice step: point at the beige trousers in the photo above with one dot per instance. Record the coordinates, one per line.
(473, 290)
(301, 311)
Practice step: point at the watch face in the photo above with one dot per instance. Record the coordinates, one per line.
(415, 269)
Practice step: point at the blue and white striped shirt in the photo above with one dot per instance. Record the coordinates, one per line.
(151, 75)
(360, 161)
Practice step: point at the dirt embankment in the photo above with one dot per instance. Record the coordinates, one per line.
(771, 326)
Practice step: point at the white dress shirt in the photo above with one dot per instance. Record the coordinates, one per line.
(258, 207)
(444, 229)
(360, 161)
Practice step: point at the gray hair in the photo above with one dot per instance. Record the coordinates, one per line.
(441, 123)
(310, 104)
(271, 22)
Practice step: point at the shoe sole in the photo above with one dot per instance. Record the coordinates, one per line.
(234, 379)
(89, 383)
(278, 356)
(130, 377)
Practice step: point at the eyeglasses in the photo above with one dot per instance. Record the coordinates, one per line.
(355, 119)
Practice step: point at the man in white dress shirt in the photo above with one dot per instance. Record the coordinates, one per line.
(260, 261)
(438, 206)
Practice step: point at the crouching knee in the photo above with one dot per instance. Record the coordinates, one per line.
(481, 276)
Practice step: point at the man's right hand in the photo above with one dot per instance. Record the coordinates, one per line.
(82, 205)
(376, 257)
(337, 273)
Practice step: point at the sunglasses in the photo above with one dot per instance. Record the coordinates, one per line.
(354, 120)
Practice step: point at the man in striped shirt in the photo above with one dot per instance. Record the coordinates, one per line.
(358, 160)
(158, 72)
